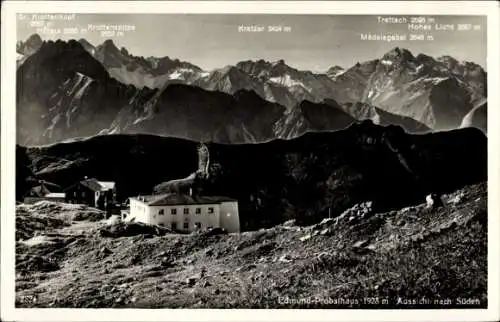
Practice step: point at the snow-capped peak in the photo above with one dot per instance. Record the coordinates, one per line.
(287, 81)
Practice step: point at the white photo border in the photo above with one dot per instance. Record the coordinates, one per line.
(10, 9)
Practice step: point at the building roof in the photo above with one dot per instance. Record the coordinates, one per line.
(92, 184)
(56, 195)
(107, 185)
(171, 199)
(96, 185)
(38, 191)
(43, 189)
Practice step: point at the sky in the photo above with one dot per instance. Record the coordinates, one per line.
(312, 42)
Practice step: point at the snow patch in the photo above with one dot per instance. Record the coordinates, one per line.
(79, 79)
(74, 108)
(437, 80)
(180, 73)
(68, 117)
(66, 82)
(114, 130)
(140, 119)
(52, 125)
(176, 75)
(287, 80)
(185, 70)
(82, 89)
(337, 74)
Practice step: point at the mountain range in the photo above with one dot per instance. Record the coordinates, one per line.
(72, 89)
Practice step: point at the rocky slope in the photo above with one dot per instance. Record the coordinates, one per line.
(26, 48)
(62, 92)
(303, 178)
(193, 113)
(363, 111)
(30, 45)
(397, 257)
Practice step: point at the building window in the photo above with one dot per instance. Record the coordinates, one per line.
(198, 211)
(173, 211)
(173, 225)
(186, 211)
(210, 227)
(162, 224)
(210, 210)
(186, 225)
(161, 212)
(83, 194)
(197, 225)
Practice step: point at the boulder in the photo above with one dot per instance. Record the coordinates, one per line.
(360, 244)
(326, 231)
(105, 251)
(214, 231)
(358, 211)
(458, 198)
(192, 280)
(306, 237)
(285, 258)
(433, 201)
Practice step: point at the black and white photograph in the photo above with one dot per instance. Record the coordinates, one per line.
(250, 160)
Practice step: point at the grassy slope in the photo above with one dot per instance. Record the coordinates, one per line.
(410, 253)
